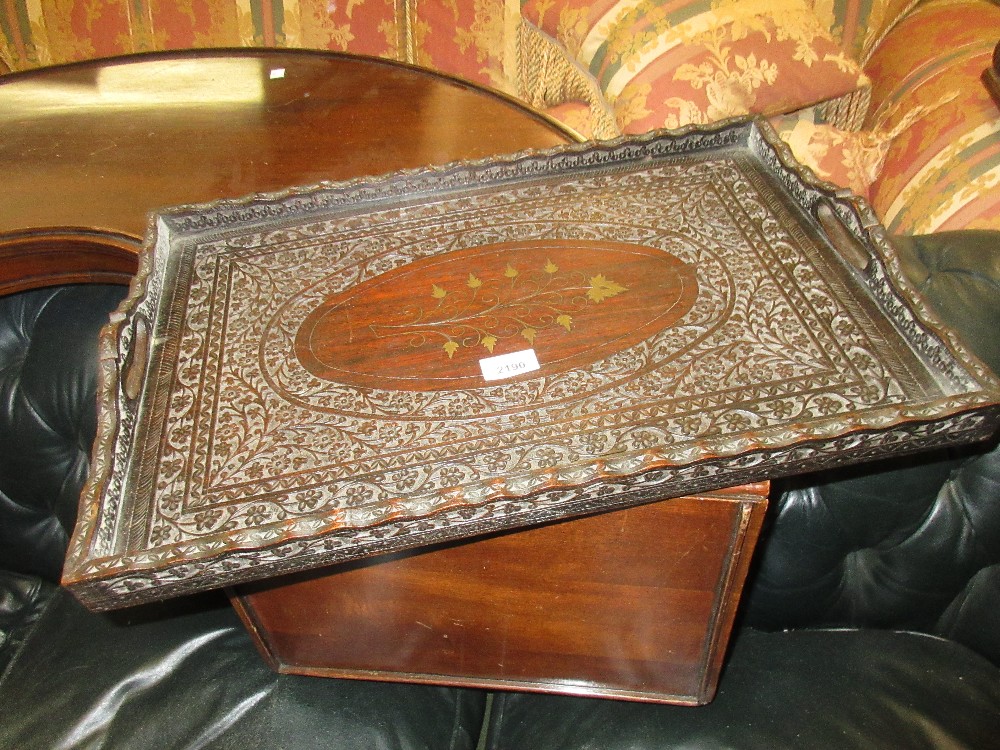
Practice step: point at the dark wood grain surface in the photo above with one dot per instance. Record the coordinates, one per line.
(88, 150)
(634, 604)
(312, 396)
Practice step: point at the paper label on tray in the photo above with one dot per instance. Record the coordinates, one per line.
(509, 365)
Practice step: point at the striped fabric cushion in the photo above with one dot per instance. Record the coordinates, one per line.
(574, 23)
(850, 159)
(942, 170)
(463, 38)
(33, 34)
(858, 25)
(575, 115)
(669, 63)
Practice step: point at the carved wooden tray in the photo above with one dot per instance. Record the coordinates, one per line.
(296, 379)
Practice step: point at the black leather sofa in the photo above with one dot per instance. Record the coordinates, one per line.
(871, 618)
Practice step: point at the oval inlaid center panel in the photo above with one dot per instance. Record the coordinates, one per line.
(426, 326)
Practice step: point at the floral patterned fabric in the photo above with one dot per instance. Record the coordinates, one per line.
(573, 22)
(367, 27)
(575, 115)
(47, 32)
(850, 159)
(731, 56)
(676, 62)
(473, 39)
(928, 158)
(858, 25)
(942, 170)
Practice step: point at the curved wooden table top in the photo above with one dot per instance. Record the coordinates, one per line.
(89, 150)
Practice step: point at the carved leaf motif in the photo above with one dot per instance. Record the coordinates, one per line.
(601, 288)
(551, 295)
(495, 310)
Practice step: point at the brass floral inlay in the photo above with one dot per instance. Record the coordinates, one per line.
(517, 303)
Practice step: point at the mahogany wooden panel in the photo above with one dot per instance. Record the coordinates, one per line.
(88, 150)
(573, 301)
(40, 258)
(634, 604)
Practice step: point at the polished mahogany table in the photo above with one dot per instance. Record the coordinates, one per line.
(636, 603)
(88, 150)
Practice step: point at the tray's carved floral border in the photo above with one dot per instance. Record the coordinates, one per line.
(739, 362)
(205, 532)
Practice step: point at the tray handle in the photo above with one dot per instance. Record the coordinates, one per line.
(844, 242)
(136, 360)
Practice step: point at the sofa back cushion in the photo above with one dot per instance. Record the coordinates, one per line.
(859, 25)
(48, 381)
(672, 63)
(847, 158)
(942, 169)
(658, 62)
(35, 34)
(473, 39)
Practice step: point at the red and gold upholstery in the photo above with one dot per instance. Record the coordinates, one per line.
(942, 169)
(674, 63)
(926, 151)
(848, 158)
(476, 40)
(859, 25)
(460, 35)
(612, 60)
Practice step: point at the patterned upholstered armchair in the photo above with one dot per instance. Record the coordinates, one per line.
(881, 96)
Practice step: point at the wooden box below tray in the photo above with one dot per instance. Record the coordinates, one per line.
(633, 604)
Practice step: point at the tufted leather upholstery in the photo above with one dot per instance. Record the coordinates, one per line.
(48, 366)
(795, 690)
(849, 565)
(911, 544)
(911, 547)
(180, 675)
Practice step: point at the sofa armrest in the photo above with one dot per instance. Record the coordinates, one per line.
(941, 169)
(959, 274)
(904, 543)
(23, 599)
